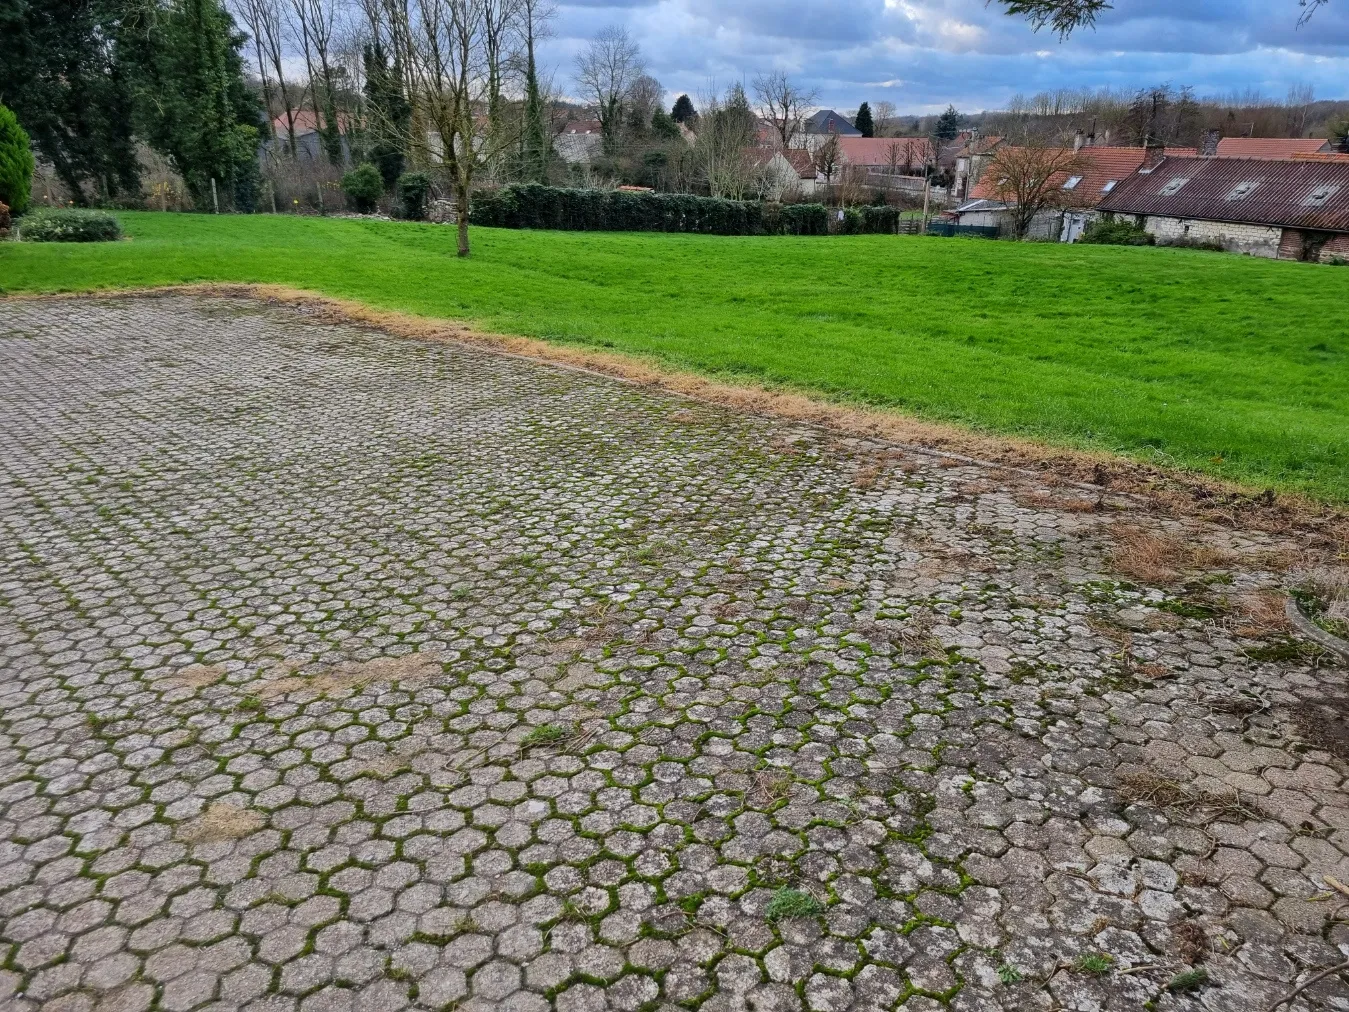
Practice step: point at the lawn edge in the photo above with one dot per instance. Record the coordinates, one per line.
(1172, 491)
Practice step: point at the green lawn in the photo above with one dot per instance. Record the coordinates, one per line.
(1226, 364)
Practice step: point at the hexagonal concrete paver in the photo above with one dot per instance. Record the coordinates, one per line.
(341, 671)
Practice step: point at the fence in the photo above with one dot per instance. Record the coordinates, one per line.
(948, 229)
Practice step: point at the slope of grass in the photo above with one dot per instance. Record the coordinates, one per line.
(1226, 364)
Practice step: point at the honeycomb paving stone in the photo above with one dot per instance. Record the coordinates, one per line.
(344, 672)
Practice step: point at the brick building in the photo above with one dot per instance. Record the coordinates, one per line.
(1294, 210)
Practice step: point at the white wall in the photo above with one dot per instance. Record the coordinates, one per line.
(1257, 240)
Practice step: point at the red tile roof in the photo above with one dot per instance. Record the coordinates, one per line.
(875, 151)
(305, 123)
(1269, 147)
(1257, 191)
(1104, 165)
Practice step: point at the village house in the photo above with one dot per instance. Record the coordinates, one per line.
(1269, 147)
(1297, 209)
(820, 126)
(1077, 194)
(786, 173)
(971, 159)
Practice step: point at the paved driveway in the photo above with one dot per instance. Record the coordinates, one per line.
(342, 671)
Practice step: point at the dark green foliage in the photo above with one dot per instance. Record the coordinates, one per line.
(805, 219)
(16, 163)
(191, 100)
(880, 219)
(68, 224)
(664, 126)
(537, 148)
(60, 75)
(851, 221)
(1060, 15)
(683, 111)
(864, 122)
(388, 113)
(948, 125)
(414, 188)
(363, 187)
(530, 205)
(1116, 232)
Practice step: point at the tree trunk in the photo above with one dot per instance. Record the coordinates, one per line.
(461, 215)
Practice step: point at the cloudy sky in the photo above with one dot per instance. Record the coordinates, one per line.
(922, 54)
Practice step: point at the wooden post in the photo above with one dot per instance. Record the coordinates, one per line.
(927, 192)
(272, 188)
(319, 187)
(215, 197)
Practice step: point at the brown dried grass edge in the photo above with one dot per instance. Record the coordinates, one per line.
(1322, 528)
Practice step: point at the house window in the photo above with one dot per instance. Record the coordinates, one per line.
(1320, 195)
(1173, 187)
(1242, 190)
(1072, 182)
(1109, 185)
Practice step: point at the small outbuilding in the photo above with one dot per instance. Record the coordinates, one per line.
(1294, 210)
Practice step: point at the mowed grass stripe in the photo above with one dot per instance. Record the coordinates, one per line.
(1229, 365)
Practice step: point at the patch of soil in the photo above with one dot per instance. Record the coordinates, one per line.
(220, 821)
(199, 676)
(408, 670)
(1325, 724)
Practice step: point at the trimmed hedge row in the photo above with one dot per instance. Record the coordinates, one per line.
(531, 205)
(68, 224)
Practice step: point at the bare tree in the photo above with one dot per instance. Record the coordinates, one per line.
(313, 23)
(724, 147)
(1300, 99)
(645, 96)
(1030, 178)
(263, 20)
(827, 157)
(605, 71)
(449, 82)
(883, 115)
(782, 103)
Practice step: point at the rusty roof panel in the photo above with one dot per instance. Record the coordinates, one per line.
(1251, 191)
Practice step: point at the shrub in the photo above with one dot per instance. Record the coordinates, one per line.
(363, 186)
(16, 163)
(1116, 232)
(67, 224)
(413, 190)
(805, 219)
(880, 220)
(851, 222)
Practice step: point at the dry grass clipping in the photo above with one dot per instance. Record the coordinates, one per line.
(1148, 788)
(220, 821)
(199, 676)
(1261, 614)
(408, 670)
(1154, 557)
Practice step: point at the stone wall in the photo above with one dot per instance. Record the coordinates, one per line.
(1257, 240)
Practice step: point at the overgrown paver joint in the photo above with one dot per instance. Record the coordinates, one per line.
(349, 672)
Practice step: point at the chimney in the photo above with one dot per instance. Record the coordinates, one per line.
(1078, 141)
(1208, 144)
(1153, 153)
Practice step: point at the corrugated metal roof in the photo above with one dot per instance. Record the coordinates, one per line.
(1103, 168)
(1252, 191)
(1269, 147)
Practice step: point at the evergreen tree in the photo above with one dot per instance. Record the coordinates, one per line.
(663, 126)
(864, 122)
(60, 76)
(536, 142)
(683, 111)
(948, 125)
(16, 163)
(192, 103)
(388, 112)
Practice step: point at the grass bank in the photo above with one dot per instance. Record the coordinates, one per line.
(1228, 365)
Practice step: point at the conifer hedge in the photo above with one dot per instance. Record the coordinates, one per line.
(531, 205)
